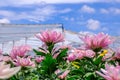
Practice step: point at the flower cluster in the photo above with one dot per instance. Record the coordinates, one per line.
(94, 60)
(98, 41)
(20, 51)
(79, 54)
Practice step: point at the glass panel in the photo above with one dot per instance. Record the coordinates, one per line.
(17, 34)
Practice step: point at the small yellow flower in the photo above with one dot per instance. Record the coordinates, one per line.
(103, 52)
(76, 64)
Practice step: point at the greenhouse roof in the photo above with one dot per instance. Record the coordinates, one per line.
(10, 32)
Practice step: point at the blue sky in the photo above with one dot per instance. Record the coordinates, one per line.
(76, 15)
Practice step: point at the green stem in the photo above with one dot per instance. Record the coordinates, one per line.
(50, 47)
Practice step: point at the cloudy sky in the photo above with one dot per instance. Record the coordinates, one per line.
(76, 15)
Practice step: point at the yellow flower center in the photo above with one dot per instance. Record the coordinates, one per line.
(103, 53)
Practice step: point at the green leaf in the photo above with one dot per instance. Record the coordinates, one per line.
(39, 53)
(62, 54)
(48, 64)
(89, 76)
(13, 78)
(97, 60)
(73, 77)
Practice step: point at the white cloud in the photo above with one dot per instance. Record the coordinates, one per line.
(115, 10)
(104, 11)
(4, 20)
(68, 18)
(65, 10)
(87, 9)
(117, 0)
(37, 15)
(72, 19)
(110, 10)
(29, 2)
(65, 18)
(105, 29)
(70, 1)
(93, 24)
(6, 13)
(40, 2)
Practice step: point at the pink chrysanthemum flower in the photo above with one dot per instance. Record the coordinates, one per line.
(24, 62)
(76, 54)
(49, 37)
(61, 74)
(117, 54)
(98, 41)
(19, 51)
(39, 59)
(110, 72)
